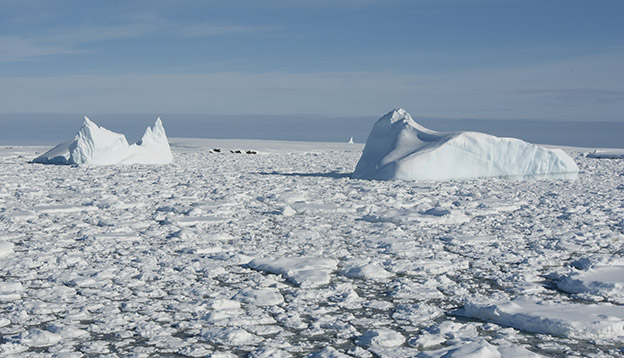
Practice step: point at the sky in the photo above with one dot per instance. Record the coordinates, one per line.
(483, 59)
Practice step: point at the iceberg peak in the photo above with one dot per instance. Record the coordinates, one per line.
(397, 115)
(399, 119)
(86, 122)
(154, 134)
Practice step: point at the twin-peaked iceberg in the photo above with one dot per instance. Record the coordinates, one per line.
(99, 146)
(400, 148)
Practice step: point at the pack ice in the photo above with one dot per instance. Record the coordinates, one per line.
(400, 148)
(99, 146)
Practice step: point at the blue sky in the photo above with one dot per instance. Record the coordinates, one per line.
(492, 59)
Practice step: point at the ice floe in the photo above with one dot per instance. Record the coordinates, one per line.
(480, 349)
(261, 297)
(301, 271)
(99, 146)
(381, 337)
(369, 272)
(10, 291)
(6, 248)
(605, 281)
(582, 321)
(399, 148)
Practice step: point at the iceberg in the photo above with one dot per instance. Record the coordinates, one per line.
(400, 148)
(99, 146)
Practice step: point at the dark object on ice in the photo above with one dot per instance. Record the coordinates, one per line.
(251, 152)
(217, 150)
(237, 152)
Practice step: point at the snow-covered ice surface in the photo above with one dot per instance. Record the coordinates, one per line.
(99, 146)
(400, 148)
(607, 154)
(281, 254)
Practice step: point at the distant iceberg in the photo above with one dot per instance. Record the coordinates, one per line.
(400, 148)
(99, 146)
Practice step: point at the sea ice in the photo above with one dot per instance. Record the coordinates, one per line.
(267, 352)
(382, 337)
(581, 321)
(35, 337)
(186, 259)
(399, 148)
(368, 272)
(302, 271)
(328, 352)
(429, 216)
(602, 280)
(229, 336)
(99, 146)
(6, 248)
(10, 291)
(260, 297)
(480, 349)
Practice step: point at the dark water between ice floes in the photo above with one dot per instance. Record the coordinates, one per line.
(49, 129)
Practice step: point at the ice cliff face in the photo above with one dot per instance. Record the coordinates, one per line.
(400, 148)
(99, 146)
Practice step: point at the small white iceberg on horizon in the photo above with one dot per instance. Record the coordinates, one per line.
(99, 146)
(400, 148)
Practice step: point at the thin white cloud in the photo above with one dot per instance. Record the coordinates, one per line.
(93, 33)
(67, 40)
(15, 48)
(594, 95)
(206, 29)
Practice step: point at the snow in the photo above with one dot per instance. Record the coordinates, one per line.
(399, 148)
(581, 321)
(202, 258)
(260, 297)
(6, 248)
(10, 291)
(603, 281)
(35, 337)
(481, 349)
(381, 337)
(369, 271)
(98, 146)
(301, 271)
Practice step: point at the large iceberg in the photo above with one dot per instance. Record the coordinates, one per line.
(400, 148)
(99, 146)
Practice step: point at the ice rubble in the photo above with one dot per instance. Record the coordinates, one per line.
(100, 146)
(400, 148)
